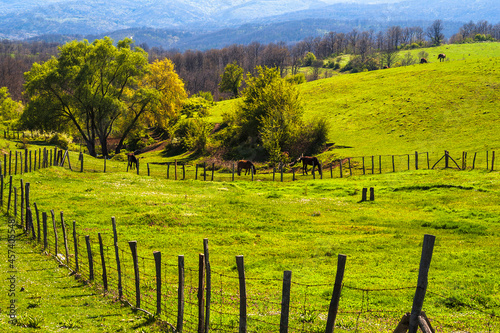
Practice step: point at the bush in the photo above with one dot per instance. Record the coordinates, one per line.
(309, 58)
(297, 78)
(196, 106)
(61, 140)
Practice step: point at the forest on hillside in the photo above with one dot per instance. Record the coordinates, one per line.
(201, 70)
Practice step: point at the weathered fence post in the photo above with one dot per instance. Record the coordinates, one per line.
(91, 261)
(418, 300)
(408, 161)
(201, 294)
(26, 170)
(363, 194)
(118, 267)
(65, 238)
(232, 174)
(157, 256)
(103, 263)
(474, 161)
(380, 164)
(183, 171)
(180, 295)
(243, 294)
(196, 173)
(204, 171)
(75, 244)
(337, 289)
(285, 301)
(80, 158)
(44, 222)
(372, 194)
(208, 285)
(364, 165)
(55, 232)
(37, 222)
(373, 164)
(175, 169)
(15, 203)
(149, 173)
(428, 162)
(133, 249)
(493, 161)
(25, 227)
(213, 170)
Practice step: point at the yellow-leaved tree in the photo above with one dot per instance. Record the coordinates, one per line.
(163, 78)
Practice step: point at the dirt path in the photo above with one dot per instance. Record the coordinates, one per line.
(37, 291)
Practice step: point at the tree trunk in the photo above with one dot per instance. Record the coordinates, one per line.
(91, 148)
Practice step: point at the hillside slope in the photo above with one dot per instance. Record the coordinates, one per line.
(453, 105)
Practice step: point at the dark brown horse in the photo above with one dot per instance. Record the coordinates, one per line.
(308, 160)
(441, 57)
(247, 165)
(132, 160)
(423, 61)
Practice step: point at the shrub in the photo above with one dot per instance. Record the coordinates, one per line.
(61, 140)
(309, 58)
(297, 78)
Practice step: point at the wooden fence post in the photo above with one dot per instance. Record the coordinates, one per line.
(201, 294)
(213, 170)
(103, 263)
(364, 166)
(208, 272)
(37, 222)
(81, 162)
(118, 267)
(232, 177)
(363, 194)
(149, 173)
(337, 289)
(285, 301)
(372, 194)
(243, 294)
(65, 238)
(493, 161)
(474, 161)
(183, 171)
(380, 164)
(25, 227)
(180, 295)
(428, 162)
(204, 171)
(91, 261)
(408, 161)
(44, 221)
(196, 173)
(157, 256)
(418, 300)
(75, 244)
(175, 168)
(55, 232)
(15, 203)
(133, 249)
(373, 164)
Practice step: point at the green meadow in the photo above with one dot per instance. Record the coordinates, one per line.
(303, 225)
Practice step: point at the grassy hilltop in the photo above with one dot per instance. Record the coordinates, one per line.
(424, 107)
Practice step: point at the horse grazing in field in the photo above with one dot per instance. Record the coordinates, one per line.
(132, 160)
(247, 165)
(423, 61)
(308, 160)
(441, 57)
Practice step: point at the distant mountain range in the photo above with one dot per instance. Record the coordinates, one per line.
(203, 24)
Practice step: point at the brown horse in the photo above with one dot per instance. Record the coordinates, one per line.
(247, 165)
(132, 160)
(441, 57)
(423, 61)
(308, 160)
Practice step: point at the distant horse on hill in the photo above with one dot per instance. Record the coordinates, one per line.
(247, 165)
(423, 61)
(308, 160)
(441, 57)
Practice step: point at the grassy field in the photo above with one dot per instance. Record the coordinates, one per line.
(302, 225)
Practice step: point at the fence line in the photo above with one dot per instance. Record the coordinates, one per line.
(217, 309)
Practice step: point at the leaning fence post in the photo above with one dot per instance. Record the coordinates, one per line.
(118, 267)
(209, 284)
(180, 295)
(103, 263)
(337, 289)
(243, 294)
(89, 255)
(133, 249)
(418, 300)
(75, 244)
(65, 238)
(285, 301)
(37, 222)
(157, 256)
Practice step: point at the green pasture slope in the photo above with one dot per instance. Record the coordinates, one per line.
(429, 107)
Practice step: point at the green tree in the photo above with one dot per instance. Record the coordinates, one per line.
(309, 59)
(9, 109)
(271, 110)
(231, 79)
(93, 87)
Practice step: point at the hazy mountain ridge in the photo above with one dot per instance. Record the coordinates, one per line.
(225, 21)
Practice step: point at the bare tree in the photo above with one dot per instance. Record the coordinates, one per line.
(435, 32)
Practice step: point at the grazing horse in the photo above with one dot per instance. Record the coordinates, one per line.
(423, 61)
(133, 161)
(308, 160)
(247, 165)
(441, 57)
